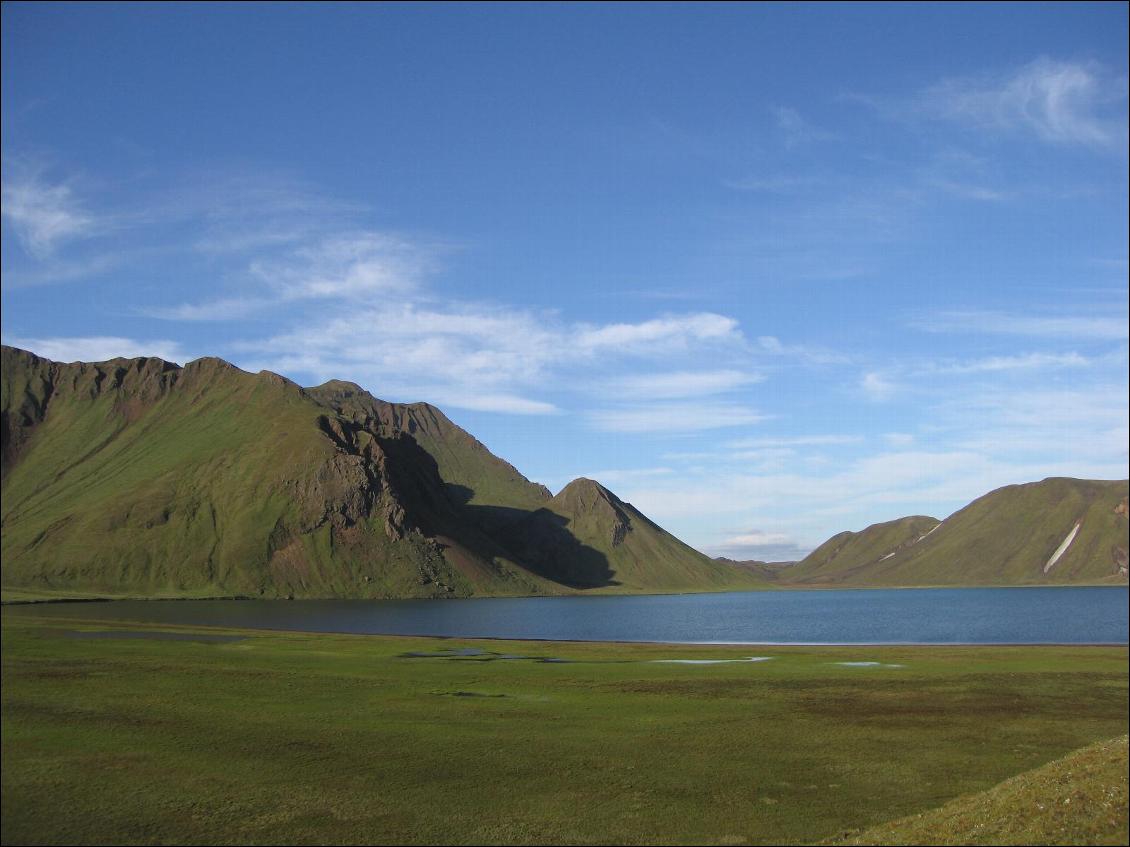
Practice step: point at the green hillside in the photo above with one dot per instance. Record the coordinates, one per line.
(142, 478)
(1008, 537)
(851, 555)
(1078, 799)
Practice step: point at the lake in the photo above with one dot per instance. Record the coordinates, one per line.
(1044, 615)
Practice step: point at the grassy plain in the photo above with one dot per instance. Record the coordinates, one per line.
(124, 735)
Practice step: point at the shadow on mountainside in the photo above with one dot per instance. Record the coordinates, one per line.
(538, 540)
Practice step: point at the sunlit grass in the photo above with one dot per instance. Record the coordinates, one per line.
(334, 738)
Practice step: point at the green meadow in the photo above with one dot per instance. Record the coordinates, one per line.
(157, 734)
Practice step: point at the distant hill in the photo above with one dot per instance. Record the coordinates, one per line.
(769, 571)
(850, 555)
(1058, 531)
(137, 477)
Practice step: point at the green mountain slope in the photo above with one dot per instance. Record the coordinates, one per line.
(849, 555)
(137, 477)
(1079, 799)
(1010, 536)
(142, 478)
(588, 537)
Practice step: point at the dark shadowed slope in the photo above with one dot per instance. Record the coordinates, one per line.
(139, 477)
(588, 537)
(1055, 532)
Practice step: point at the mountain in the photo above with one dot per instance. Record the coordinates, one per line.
(847, 555)
(491, 488)
(137, 477)
(1057, 531)
(588, 537)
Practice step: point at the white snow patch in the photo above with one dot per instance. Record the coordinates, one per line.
(888, 556)
(866, 665)
(923, 536)
(709, 661)
(1062, 548)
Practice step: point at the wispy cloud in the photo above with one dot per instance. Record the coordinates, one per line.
(223, 309)
(773, 184)
(478, 356)
(356, 266)
(675, 384)
(796, 130)
(674, 417)
(43, 215)
(671, 333)
(773, 346)
(1061, 102)
(99, 348)
(348, 266)
(213, 217)
(1024, 361)
(877, 387)
(899, 440)
(793, 441)
(1099, 328)
(968, 190)
(54, 269)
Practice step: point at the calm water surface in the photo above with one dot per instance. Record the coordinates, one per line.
(1076, 615)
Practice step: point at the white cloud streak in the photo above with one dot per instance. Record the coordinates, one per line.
(675, 384)
(470, 355)
(43, 215)
(877, 387)
(796, 130)
(793, 441)
(1024, 361)
(1060, 102)
(99, 348)
(1098, 328)
(674, 417)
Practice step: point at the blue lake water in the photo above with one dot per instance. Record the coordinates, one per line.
(1054, 615)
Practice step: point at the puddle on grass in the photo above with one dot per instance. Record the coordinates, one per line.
(467, 694)
(708, 661)
(867, 665)
(151, 635)
(481, 655)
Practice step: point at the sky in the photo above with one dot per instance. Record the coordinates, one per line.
(768, 272)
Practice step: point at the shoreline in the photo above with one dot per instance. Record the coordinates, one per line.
(758, 590)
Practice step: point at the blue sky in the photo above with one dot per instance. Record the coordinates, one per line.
(767, 271)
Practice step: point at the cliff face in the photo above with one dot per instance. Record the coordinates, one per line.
(142, 478)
